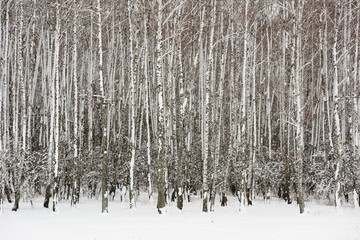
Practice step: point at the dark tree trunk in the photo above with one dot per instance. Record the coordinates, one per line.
(161, 202)
(286, 193)
(47, 196)
(223, 199)
(180, 199)
(16, 180)
(55, 193)
(76, 186)
(17, 199)
(7, 192)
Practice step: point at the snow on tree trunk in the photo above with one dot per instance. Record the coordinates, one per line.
(268, 94)
(103, 112)
(298, 98)
(180, 129)
(356, 102)
(338, 148)
(90, 89)
(147, 111)
(206, 120)
(56, 107)
(133, 102)
(21, 147)
(2, 92)
(161, 200)
(251, 185)
(241, 130)
(76, 191)
(4, 123)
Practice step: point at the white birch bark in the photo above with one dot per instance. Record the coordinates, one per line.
(161, 112)
(5, 81)
(56, 84)
(90, 90)
(147, 110)
(356, 101)
(20, 146)
(104, 190)
(76, 102)
(268, 94)
(337, 131)
(356, 200)
(183, 105)
(133, 102)
(206, 110)
(2, 92)
(242, 128)
(298, 100)
(252, 160)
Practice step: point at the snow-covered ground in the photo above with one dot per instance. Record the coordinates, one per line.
(274, 220)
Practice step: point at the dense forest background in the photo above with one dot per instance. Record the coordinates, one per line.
(232, 96)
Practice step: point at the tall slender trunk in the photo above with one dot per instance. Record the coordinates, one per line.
(298, 98)
(76, 191)
(338, 149)
(147, 111)
(183, 104)
(56, 107)
(241, 133)
(206, 110)
(90, 104)
(21, 148)
(356, 102)
(133, 102)
(161, 112)
(5, 82)
(103, 119)
(252, 157)
(2, 70)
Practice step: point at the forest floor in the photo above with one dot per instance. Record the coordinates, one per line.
(267, 221)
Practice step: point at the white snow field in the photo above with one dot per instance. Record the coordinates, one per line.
(274, 220)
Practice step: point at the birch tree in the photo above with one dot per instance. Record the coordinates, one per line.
(338, 148)
(206, 116)
(132, 76)
(56, 81)
(298, 96)
(103, 117)
(161, 112)
(20, 156)
(76, 194)
(242, 128)
(147, 110)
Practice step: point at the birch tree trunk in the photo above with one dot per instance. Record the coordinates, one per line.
(356, 102)
(206, 113)
(133, 102)
(56, 107)
(338, 148)
(147, 111)
(76, 191)
(103, 118)
(2, 70)
(183, 103)
(5, 81)
(51, 77)
(251, 190)
(20, 156)
(2, 91)
(161, 112)
(241, 134)
(298, 97)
